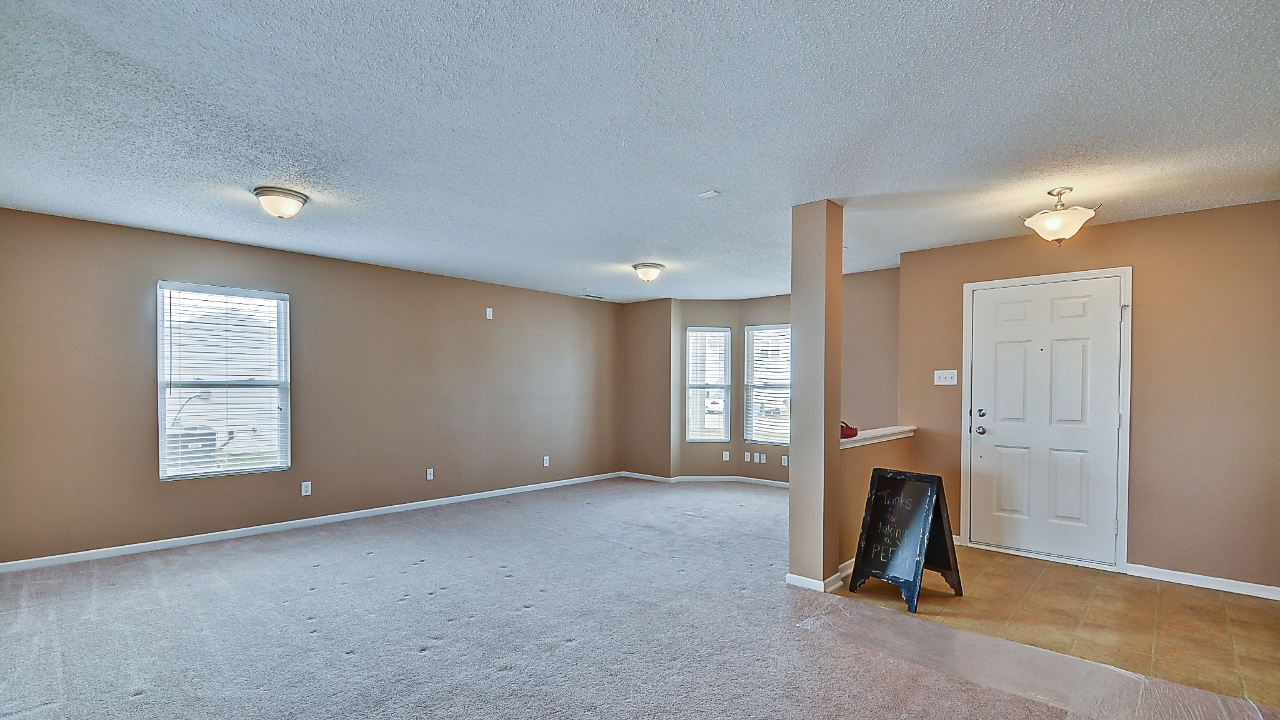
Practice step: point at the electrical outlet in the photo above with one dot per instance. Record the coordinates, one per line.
(488, 313)
(306, 489)
(431, 473)
(746, 457)
(944, 377)
(784, 461)
(546, 461)
(726, 456)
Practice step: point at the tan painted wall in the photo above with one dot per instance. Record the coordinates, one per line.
(817, 230)
(869, 349)
(651, 434)
(856, 465)
(393, 372)
(644, 379)
(1204, 492)
(707, 458)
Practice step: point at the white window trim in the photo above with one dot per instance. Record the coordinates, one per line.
(747, 384)
(163, 384)
(727, 386)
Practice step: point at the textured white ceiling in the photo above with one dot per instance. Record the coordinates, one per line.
(552, 145)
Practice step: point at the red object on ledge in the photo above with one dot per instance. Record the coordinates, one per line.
(847, 431)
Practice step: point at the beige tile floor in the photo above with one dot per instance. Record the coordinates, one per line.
(1209, 639)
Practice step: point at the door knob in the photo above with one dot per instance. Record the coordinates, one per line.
(980, 430)
(982, 413)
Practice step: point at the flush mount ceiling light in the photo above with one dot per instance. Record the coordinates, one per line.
(1061, 222)
(708, 194)
(280, 202)
(648, 272)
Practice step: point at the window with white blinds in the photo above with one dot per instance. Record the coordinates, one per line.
(224, 380)
(768, 384)
(707, 384)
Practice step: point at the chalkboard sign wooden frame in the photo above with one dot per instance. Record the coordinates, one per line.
(923, 531)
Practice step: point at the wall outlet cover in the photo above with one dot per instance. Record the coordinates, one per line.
(944, 377)
(546, 461)
(306, 489)
(764, 458)
(431, 473)
(746, 457)
(784, 461)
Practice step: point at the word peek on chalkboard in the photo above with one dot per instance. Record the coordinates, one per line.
(905, 530)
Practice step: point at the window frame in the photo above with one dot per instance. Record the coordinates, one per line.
(748, 385)
(284, 359)
(726, 387)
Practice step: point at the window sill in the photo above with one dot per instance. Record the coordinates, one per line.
(220, 473)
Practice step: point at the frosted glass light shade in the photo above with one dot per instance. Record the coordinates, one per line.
(280, 202)
(1058, 225)
(648, 272)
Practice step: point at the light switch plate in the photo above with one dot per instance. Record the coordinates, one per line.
(306, 488)
(431, 473)
(784, 461)
(746, 457)
(488, 313)
(726, 456)
(944, 377)
(764, 458)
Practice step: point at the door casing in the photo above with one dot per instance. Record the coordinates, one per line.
(1122, 458)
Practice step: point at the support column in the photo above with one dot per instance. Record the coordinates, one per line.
(817, 234)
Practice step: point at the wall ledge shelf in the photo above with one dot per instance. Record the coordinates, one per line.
(877, 435)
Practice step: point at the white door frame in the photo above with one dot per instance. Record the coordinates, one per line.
(1122, 458)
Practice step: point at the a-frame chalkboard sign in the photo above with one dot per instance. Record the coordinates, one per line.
(905, 531)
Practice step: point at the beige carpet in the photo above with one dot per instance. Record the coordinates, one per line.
(614, 599)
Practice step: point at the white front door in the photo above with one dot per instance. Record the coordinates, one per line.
(1045, 417)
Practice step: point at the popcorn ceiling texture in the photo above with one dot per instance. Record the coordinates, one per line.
(552, 145)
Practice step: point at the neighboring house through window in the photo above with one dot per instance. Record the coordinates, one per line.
(224, 380)
(768, 386)
(707, 384)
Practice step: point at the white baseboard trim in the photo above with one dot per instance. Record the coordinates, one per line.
(115, 551)
(1212, 583)
(1174, 576)
(828, 585)
(806, 583)
(100, 553)
(705, 478)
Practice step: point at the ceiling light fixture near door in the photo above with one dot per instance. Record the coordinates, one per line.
(1061, 222)
(648, 272)
(280, 202)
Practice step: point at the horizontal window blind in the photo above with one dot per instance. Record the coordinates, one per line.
(768, 396)
(707, 384)
(224, 380)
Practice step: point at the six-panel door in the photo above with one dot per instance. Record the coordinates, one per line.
(1045, 418)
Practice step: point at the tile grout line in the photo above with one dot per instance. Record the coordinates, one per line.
(1020, 601)
(1155, 630)
(1235, 651)
(1075, 636)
